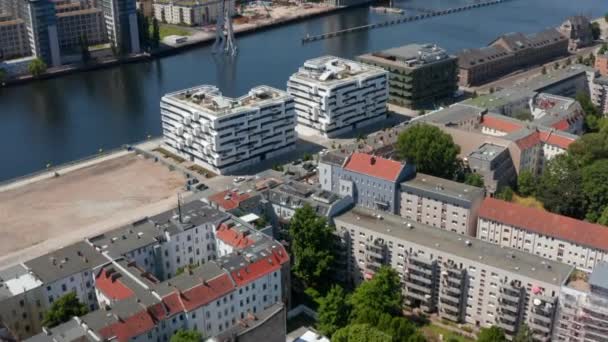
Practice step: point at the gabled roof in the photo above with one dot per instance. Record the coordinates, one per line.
(123, 330)
(558, 139)
(373, 166)
(199, 295)
(228, 199)
(235, 238)
(501, 123)
(108, 282)
(545, 223)
(260, 267)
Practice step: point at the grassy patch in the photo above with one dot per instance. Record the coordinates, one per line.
(530, 202)
(170, 30)
(432, 332)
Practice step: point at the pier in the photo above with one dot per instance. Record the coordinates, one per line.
(426, 15)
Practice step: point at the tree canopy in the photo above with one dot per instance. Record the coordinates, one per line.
(526, 183)
(492, 334)
(63, 309)
(37, 67)
(381, 294)
(431, 150)
(595, 189)
(524, 334)
(312, 243)
(155, 39)
(360, 333)
(560, 187)
(186, 336)
(474, 179)
(333, 311)
(2, 75)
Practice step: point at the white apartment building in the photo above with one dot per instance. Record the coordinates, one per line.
(441, 203)
(334, 95)
(547, 235)
(187, 12)
(464, 280)
(225, 134)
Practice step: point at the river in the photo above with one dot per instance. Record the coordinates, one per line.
(62, 119)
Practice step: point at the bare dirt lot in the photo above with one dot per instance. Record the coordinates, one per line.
(47, 214)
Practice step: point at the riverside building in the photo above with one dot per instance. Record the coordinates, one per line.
(226, 134)
(335, 96)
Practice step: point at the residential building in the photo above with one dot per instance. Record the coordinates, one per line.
(536, 231)
(599, 93)
(578, 31)
(75, 23)
(601, 64)
(14, 42)
(441, 203)
(335, 96)
(225, 134)
(120, 17)
(419, 74)
(372, 182)
(464, 280)
(41, 24)
(494, 164)
(187, 12)
(509, 53)
(583, 307)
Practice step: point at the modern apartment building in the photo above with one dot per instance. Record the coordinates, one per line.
(599, 93)
(187, 12)
(371, 181)
(551, 236)
(463, 279)
(335, 96)
(14, 42)
(583, 307)
(80, 23)
(508, 53)
(121, 27)
(420, 74)
(226, 134)
(441, 203)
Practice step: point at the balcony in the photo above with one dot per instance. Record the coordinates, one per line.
(539, 327)
(374, 253)
(541, 337)
(508, 328)
(448, 297)
(421, 279)
(542, 318)
(424, 298)
(449, 308)
(424, 270)
(509, 297)
(421, 288)
(450, 317)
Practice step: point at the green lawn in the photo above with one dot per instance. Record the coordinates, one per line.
(170, 30)
(433, 331)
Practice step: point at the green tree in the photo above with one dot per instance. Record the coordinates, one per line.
(37, 67)
(596, 31)
(560, 187)
(604, 218)
(155, 41)
(524, 334)
(474, 179)
(360, 333)
(505, 194)
(595, 189)
(312, 242)
(186, 336)
(523, 115)
(307, 157)
(603, 49)
(144, 29)
(526, 183)
(590, 147)
(579, 59)
(2, 75)
(429, 149)
(381, 294)
(492, 334)
(399, 328)
(543, 70)
(333, 311)
(569, 61)
(63, 309)
(84, 48)
(417, 337)
(556, 66)
(606, 17)
(278, 167)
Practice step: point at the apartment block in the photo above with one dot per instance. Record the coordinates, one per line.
(73, 26)
(335, 96)
(583, 307)
(14, 42)
(419, 74)
(120, 18)
(547, 235)
(463, 279)
(441, 203)
(225, 134)
(187, 12)
(371, 181)
(599, 93)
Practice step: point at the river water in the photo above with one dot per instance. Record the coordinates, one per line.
(62, 119)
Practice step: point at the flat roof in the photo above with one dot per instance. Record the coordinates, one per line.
(16, 280)
(487, 152)
(478, 251)
(409, 56)
(119, 241)
(330, 70)
(453, 114)
(443, 187)
(66, 261)
(599, 276)
(210, 100)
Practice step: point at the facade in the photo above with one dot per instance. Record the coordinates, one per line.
(224, 134)
(420, 75)
(583, 307)
(551, 236)
(494, 164)
(599, 93)
(578, 31)
(335, 96)
(73, 25)
(509, 53)
(464, 281)
(14, 42)
(441, 203)
(372, 182)
(601, 64)
(187, 12)
(41, 24)
(120, 18)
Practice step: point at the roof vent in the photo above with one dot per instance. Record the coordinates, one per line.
(468, 243)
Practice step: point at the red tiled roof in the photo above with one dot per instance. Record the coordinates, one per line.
(199, 295)
(562, 125)
(125, 329)
(374, 166)
(499, 124)
(109, 284)
(556, 139)
(260, 267)
(228, 199)
(528, 141)
(233, 237)
(545, 223)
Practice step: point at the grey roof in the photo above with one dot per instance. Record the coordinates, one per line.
(129, 238)
(193, 214)
(261, 249)
(136, 279)
(66, 261)
(409, 56)
(185, 280)
(295, 194)
(471, 57)
(511, 260)
(253, 321)
(70, 331)
(333, 157)
(26, 283)
(603, 80)
(599, 276)
(435, 187)
(453, 115)
(487, 152)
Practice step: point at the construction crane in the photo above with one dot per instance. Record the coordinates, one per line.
(224, 33)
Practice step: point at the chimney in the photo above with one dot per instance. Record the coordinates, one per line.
(373, 160)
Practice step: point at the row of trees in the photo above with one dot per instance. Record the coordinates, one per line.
(149, 32)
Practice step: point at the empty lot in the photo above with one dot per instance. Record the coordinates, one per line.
(45, 215)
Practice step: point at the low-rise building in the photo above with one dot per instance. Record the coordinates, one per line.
(536, 231)
(187, 12)
(372, 182)
(463, 279)
(578, 31)
(441, 203)
(335, 96)
(494, 164)
(419, 74)
(225, 134)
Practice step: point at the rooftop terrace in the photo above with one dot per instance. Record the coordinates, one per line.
(409, 56)
(334, 70)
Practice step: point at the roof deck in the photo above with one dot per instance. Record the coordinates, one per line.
(330, 70)
(409, 56)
